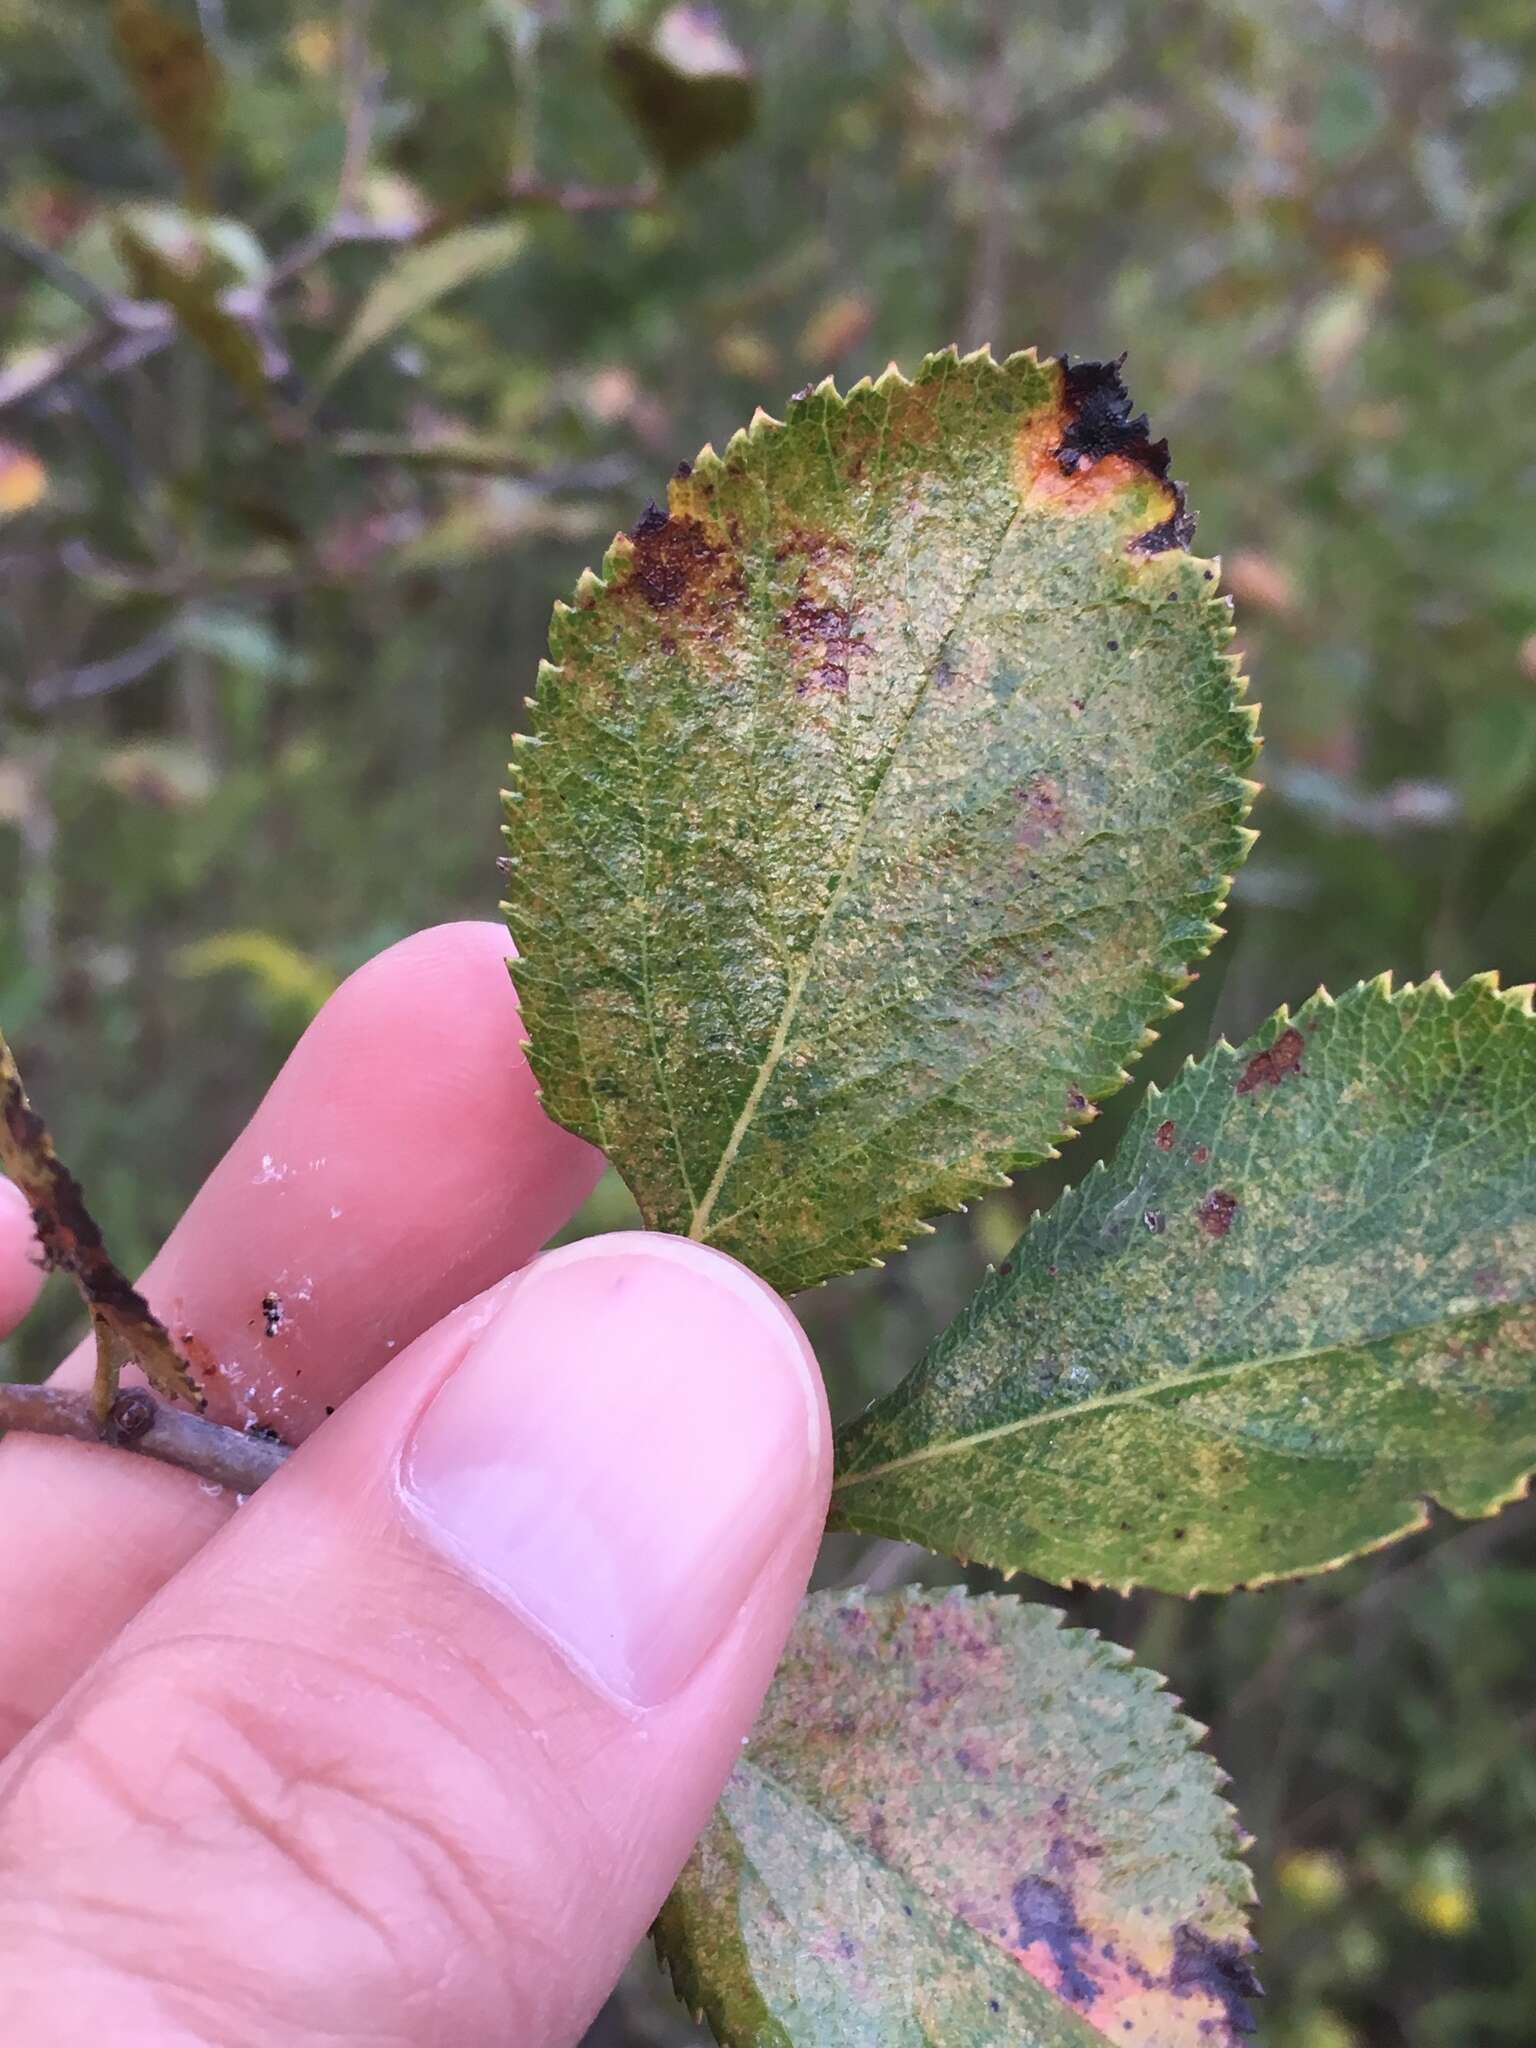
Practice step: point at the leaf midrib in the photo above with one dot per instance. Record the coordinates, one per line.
(1054, 2009)
(800, 978)
(1127, 1397)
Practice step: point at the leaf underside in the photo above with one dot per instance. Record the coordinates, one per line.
(958, 1822)
(1299, 1304)
(877, 797)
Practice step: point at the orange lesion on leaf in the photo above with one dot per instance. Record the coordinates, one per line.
(1085, 451)
(1088, 484)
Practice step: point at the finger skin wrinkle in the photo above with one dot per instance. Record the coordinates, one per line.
(371, 1840)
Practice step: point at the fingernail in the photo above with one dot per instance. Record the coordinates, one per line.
(619, 1452)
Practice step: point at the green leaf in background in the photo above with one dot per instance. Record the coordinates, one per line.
(179, 83)
(959, 1822)
(289, 985)
(878, 794)
(171, 257)
(685, 85)
(1299, 1303)
(419, 278)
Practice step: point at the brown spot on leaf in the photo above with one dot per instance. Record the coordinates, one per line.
(1042, 811)
(1201, 1154)
(678, 565)
(1215, 1213)
(1269, 1068)
(1166, 1132)
(823, 640)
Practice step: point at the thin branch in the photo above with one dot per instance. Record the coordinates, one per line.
(64, 277)
(126, 1329)
(638, 198)
(98, 678)
(38, 369)
(363, 80)
(220, 1456)
(127, 331)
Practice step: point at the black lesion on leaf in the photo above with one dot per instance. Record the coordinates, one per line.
(1045, 1913)
(1218, 1968)
(1099, 420)
(1176, 531)
(1100, 423)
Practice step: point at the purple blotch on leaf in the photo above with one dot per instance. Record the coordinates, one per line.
(1045, 1913)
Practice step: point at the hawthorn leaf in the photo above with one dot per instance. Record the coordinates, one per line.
(685, 86)
(187, 276)
(958, 1821)
(418, 279)
(179, 83)
(1298, 1305)
(876, 798)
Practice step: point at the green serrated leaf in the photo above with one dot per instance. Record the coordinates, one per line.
(417, 280)
(179, 83)
(878, 795)
(1300, 1303)
(685, 86)
(958, 1822)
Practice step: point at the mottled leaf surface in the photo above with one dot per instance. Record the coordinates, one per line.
(958, 1822)
(1300, 1302)
(877, 795)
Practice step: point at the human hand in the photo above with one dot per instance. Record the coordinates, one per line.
(409, 1748)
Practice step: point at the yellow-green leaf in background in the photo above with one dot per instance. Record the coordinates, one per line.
(290, 985)
(1297, 1306)
(419, 278)
(179, 83)
(877, 797)
(187, 274)
(958, 1823)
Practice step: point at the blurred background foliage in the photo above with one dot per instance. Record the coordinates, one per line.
(335, 340)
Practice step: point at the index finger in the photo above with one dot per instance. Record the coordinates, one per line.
(399, 1164)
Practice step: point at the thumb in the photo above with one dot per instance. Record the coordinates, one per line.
(413, 1750)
